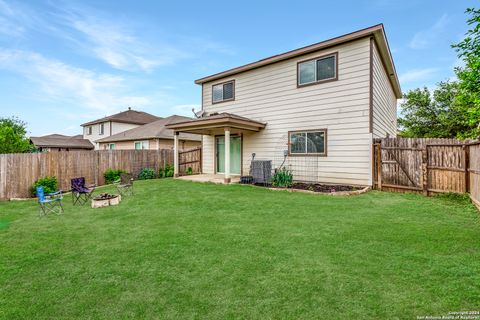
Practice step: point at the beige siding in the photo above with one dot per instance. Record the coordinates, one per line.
(208, 150)
(184, 145)
(116, 127)
(153, 144)
(384, 101)
(270, 94)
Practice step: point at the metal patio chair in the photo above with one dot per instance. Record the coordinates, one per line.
(80, 192)
(125, 184)
(49, 202)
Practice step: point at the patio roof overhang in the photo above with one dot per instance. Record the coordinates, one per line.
(217, 123)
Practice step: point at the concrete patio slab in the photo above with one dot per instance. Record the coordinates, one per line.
(215, 178)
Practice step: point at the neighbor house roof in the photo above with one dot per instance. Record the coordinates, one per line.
(152, 130)
(61, 141)
(129, 116)
(377, 32)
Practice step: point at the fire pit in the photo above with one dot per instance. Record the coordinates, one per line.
(105, 200)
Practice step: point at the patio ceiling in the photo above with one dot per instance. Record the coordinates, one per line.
(217, 123)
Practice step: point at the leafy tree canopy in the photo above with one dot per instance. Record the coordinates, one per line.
(468, 97)
(13, 137)
(432, 115)
(453, 110)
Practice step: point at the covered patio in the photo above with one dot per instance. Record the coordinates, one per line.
(220, 124)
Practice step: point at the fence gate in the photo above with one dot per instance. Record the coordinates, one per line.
(190, 159)
(447, 168)
(421, 165)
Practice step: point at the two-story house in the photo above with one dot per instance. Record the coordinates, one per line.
(116, 123)
(315, 110)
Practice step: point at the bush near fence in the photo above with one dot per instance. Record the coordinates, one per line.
(18, 172)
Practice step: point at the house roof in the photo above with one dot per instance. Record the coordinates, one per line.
(377, 32)
(210, 124)
(152, 130)
(61, 141)
(129, 116)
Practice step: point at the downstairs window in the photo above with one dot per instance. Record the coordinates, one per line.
(308, 142)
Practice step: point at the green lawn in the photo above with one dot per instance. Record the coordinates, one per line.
(188, 250)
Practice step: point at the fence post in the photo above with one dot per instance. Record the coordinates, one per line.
(201, 162)
(425, 170)
(379, 166)
(466, 148)
(96, 159)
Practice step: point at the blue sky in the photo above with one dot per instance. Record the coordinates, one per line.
(63, 63)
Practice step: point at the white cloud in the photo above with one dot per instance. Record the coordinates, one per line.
(57, 81)
(417, 75)
(425, 38)
(120, 43)
(114, 43)
(12, 20)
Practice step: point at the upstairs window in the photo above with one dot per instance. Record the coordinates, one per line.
(89, 130)
(223, 92)
(317, 70)
(102, 128)
(308, 142)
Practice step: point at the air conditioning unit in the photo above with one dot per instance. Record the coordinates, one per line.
(261, 171)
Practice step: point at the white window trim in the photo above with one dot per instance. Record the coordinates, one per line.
(110, 146)
(101, 129)
(89, 130)
(320, 154)
(334, 55)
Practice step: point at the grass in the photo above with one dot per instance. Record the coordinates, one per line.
(188, 250)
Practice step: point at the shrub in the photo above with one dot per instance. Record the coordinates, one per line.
(282, 178)
(169, 170)
(49, 185)
(112, 175)
(147, 173)
(161, 172)
(166, 171)
(189, 171)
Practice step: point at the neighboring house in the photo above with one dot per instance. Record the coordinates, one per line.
(318, 108)
(153, 135)
(123, 121)
(59, 142)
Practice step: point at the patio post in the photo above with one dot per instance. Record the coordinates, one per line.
(227, 155)
(175, 154)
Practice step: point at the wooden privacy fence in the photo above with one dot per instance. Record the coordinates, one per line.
(427, 165)
(18, 172)
(190, 159)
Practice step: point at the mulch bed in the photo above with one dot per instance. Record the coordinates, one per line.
(317, 187)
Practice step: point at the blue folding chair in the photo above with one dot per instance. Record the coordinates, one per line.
(50, 202)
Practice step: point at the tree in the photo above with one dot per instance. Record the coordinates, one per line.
(453, 111)
(432, 115)
(13, 137)
(468, 97)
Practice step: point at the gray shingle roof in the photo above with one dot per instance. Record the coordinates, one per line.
(129, 116)
(153, 130)
(61, 141)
